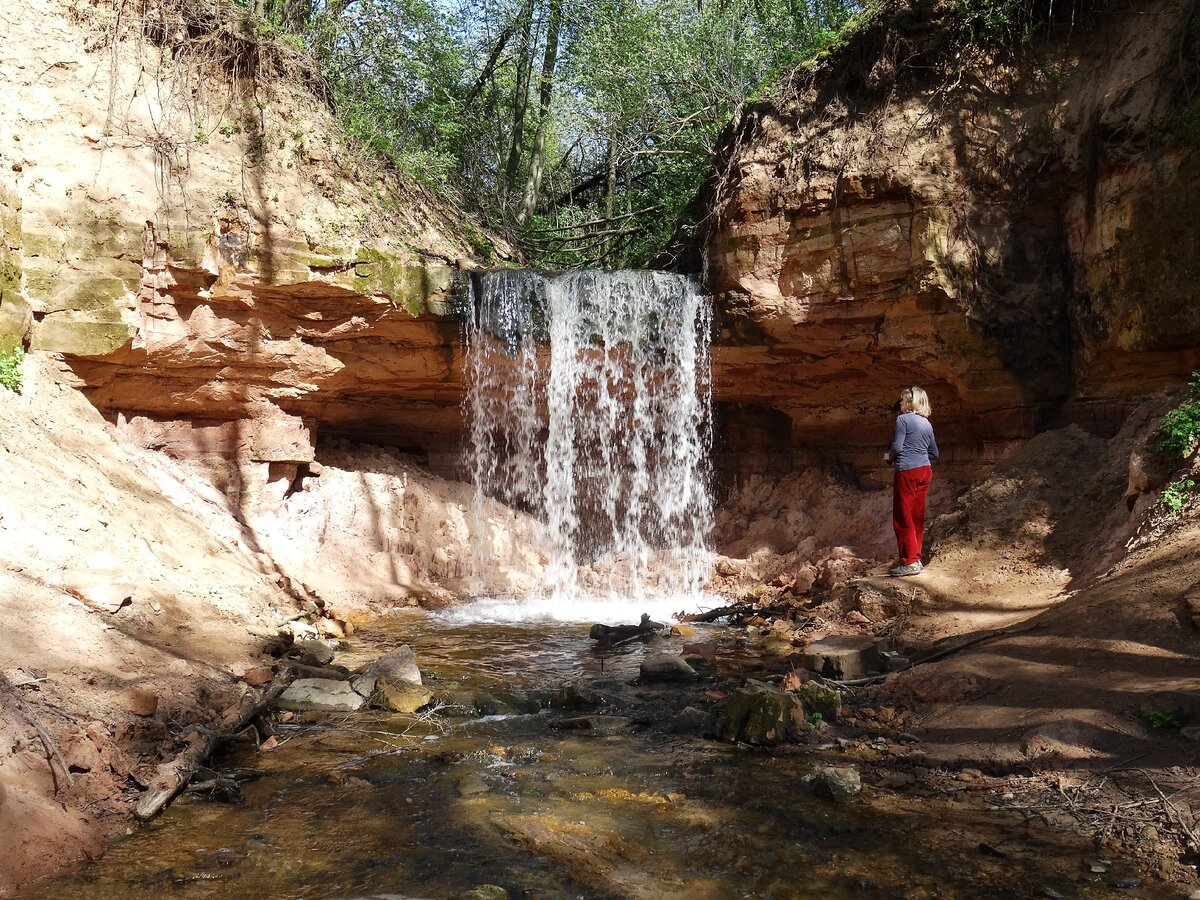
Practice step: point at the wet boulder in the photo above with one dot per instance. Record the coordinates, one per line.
(760, 714)
(666, 667)
(502, 703)
(819, 700)
(399, 695)
(399, 663)
(311, 653)
(701, 656)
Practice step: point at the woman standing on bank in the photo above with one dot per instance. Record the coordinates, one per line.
(913, 449)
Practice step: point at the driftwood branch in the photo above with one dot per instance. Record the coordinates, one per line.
(173, 776)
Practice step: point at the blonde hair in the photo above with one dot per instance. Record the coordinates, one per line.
(917, 400)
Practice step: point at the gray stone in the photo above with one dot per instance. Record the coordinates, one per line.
(843, 656)
(838, 782)
(502, 703)
(573, 697)
(594, 724)
(312, 652)
(1190, 732)
(666, 667)
(320, 693)
(472, 785)
(760, 714)
(399, 663)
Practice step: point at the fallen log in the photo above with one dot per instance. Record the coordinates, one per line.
(173, 776)
(607, 636)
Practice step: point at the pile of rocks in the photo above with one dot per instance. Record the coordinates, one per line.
(392, 682)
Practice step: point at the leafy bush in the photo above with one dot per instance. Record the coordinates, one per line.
(1180, 428)
(1163, 719)
(1178, 494)
(10, 369)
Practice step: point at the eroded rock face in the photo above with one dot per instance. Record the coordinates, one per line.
(977, 227)
(221, 270)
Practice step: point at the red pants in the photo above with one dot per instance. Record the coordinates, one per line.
(908, 511)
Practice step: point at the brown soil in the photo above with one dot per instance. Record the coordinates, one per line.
(1053, 596)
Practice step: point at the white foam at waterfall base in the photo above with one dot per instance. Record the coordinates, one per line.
(585, 609)
(589, 402)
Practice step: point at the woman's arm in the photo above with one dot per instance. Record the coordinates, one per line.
(897, 439)
(933, 448)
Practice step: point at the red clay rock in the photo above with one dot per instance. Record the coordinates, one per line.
(259, 675)
(143, 701)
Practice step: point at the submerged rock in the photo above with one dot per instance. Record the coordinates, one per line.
(574, 697)
(502, 703)
(321, 694)
(760, 714)
(484, 892)
(691, 721)
(594, 724)
(665, 667)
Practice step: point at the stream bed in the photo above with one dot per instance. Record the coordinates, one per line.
(498, 786)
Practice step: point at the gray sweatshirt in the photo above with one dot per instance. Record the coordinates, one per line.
(913, 445)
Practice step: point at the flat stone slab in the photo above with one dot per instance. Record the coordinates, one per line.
(843, 656)
(320, 693)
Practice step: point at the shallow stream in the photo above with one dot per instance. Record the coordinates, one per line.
(430, 806)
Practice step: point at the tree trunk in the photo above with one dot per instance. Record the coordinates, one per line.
(537, 163)
(610, 197)
(520, 97)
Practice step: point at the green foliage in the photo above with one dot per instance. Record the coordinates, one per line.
(1180, 428)
(987, 21)
(1178, 494)
(582, 127)
(1164, 719)
(10, 369)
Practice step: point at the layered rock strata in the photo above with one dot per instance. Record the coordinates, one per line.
(1011, 229)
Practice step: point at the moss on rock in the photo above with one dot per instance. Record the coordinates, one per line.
(71, 332)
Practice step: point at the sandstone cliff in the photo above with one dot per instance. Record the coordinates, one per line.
(1008, 223)
(183, 222)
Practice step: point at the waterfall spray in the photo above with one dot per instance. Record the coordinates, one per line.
(589, 404)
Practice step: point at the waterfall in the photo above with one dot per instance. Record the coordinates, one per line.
(589, 406)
